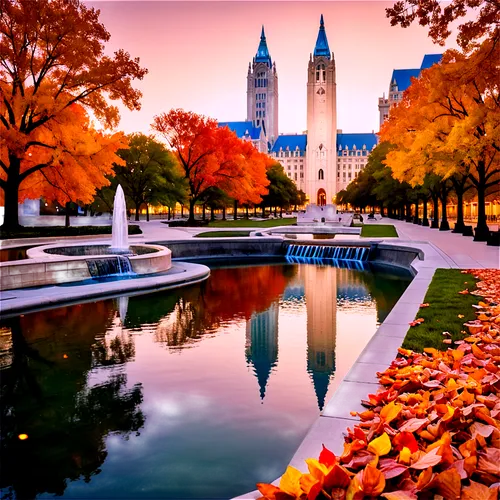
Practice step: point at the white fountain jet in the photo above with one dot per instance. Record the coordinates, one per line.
(119, 239)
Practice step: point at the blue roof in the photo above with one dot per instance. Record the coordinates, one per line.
(291, 141)
(402, 77)
(358, 140)
(242, 129)
(430, 59)
(322, 48)
(263, 52)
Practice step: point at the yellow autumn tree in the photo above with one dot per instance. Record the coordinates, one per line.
(448, 123)
(52, 59)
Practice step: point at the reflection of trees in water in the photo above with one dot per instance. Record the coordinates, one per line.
(113, 351)
(45, 394)
(232, 293)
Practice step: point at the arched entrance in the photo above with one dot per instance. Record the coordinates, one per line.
(321, 197)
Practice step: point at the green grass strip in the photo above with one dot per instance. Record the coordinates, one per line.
(223, 234)
(445, 304)
(254, 223)
(42, 232)
(379, 231)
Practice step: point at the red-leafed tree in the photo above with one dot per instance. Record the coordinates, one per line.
(210, 156)
(52, 71)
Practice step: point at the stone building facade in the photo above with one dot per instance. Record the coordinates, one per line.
(322, 161)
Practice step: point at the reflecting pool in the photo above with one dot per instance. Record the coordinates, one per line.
(195, 393)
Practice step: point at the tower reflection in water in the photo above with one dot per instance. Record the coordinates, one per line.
(320, 287)
(261, 346)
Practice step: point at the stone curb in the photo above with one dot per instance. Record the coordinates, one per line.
(182, 273)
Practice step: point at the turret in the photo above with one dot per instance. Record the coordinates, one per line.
(263, 52)
(322, 48)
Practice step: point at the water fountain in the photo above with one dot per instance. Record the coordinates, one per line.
(53, 264)
(119, 239)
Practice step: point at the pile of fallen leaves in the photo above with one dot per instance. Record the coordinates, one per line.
(432, 431)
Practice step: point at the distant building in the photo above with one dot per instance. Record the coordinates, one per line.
(313, 160)
(400, 81)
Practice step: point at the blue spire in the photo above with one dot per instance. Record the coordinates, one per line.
(321, 48)
(263, 52)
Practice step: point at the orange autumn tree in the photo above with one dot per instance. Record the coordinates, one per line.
(78, 168)
(51, 59)
(210, 156)
(440, 16)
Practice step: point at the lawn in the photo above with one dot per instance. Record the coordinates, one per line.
(254, 223)
(445, 306)
(223, 234)
(42, 232)
(378, 231)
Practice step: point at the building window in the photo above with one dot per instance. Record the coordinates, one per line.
(320, 73)
(321, 174)
(301, 175)
(302, 167)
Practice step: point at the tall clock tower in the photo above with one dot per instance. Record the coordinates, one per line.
(321, 123)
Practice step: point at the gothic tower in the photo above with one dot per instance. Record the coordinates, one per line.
(321, 122)
(262, 91)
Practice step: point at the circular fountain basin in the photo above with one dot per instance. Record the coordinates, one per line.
(54, 264)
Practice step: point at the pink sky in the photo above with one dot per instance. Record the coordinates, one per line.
(197, 54)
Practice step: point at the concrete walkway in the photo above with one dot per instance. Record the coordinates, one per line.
(459, 251)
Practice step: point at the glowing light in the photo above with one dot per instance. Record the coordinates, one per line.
(65, 356)
(23, 437)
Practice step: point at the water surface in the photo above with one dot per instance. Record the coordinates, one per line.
(194, 393)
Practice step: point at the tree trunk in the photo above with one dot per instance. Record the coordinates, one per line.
(482, 232)
(246, 212)
(255, 210)
(235, 209)
(281, 212)
(435, 209)
(416, 218)
(11, 214)
(425, 220)
(460, 224)
(212, 214)
(224, 212)
(169, 213)
(66, 214)
(408, 212)
(147, 212)
(275, 211)
(382, 211)
(263, 212)
(204, 216)
(191, 210)
(192, 203)
(137, 208)
(445, 226)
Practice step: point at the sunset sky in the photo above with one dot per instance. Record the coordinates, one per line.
(197, 54)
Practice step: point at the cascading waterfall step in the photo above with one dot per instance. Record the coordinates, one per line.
(359, 254)
(118, 265)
